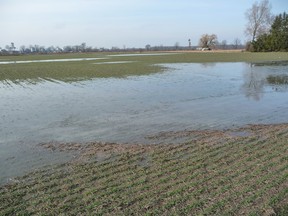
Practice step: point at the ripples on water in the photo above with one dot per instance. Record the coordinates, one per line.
(187, 96)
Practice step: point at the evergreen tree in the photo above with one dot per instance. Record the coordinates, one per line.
(279, 32)
(276, 39)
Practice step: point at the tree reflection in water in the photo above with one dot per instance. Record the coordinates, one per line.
(258, 76)
(254, 81)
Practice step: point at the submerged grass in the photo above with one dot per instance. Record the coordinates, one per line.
(215, 174)
(139, 65)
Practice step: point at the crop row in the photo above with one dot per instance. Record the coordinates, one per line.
(218, 175)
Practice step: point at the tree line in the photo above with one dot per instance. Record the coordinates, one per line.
(277, 37)
(206, 42)
(268, 33)
(11, 49)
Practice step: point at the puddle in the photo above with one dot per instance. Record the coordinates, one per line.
(240, 133)
(185, 97)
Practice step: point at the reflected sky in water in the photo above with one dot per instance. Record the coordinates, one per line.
(260, 78)
(186, 96)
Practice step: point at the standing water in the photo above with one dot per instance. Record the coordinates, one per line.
(187, 96)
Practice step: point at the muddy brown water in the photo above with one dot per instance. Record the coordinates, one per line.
(126, 110)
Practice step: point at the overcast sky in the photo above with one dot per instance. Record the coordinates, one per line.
(130, 23)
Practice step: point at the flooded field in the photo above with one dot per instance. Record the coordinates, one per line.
(190, 96)
(49, 60)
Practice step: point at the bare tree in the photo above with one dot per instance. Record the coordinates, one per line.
(254, 82)
(36, 48)
(22, 49)
(237, 43)
(208, 41)
(8, 48)
(12, 46)
(148, 47)
(83, 47)
(177, 45)
(259, 19)
(224, 44)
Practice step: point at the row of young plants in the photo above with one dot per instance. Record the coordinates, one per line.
(214, 175)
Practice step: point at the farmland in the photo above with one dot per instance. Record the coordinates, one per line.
(139, 64)
(214, 173)
(233, 171)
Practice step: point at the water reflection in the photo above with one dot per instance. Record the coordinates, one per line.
(185, 96)
(279, 82)
(208, 64)
(254, 81)
(258, 77)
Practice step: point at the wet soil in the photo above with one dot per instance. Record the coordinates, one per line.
(102, 151)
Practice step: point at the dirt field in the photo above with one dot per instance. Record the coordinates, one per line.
(232, 172)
